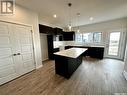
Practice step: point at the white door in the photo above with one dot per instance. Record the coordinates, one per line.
(16, 51)
(8, 70)
(115, 44)
(25, 48)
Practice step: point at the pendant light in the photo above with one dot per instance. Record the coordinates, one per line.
(70, 23)
(78, 15)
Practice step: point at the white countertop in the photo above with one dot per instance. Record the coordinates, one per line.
(88, 45)
(99, 46)
(72, 52)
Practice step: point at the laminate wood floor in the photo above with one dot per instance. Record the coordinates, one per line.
(93, 77)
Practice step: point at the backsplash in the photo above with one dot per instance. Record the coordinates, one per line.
(72, 43)
(57, 44)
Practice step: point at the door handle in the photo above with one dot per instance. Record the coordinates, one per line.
(18, 53)
(14, 54)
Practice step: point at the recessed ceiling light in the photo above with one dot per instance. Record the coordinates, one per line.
(91, 18)
(54, 16)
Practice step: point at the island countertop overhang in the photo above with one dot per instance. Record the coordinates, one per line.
(72, 52)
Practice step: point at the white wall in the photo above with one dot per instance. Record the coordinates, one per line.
(104, 26)
(25, 16)
(125, 65)
(44, 46)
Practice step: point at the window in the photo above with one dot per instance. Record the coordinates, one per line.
(97, 37)
(92, 37)
(79, 37)
(87, 37)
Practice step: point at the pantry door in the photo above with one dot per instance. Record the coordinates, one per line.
(24, 48)
(8, 68)
(16, 51)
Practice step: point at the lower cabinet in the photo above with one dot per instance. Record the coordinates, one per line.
(94, 52)
(66, 66)
(55, 50)
(16, 51)
(67, 47)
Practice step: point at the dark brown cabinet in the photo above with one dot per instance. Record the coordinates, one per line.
(55, 50)
(68, 47)
(64, 36)
(58, 31)
(50, 46)
(66, 66)
(46, 29)
(96, 52)
(68, 36)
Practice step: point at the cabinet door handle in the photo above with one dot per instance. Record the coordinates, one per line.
(14, 54)
(18, 53)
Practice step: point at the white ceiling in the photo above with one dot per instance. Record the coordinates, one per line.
(100, 10)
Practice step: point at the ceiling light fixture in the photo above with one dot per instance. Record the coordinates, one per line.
(70, 23)
(54, 16)
(91, 18)
(78, 15)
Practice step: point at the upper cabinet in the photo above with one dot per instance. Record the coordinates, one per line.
(68, 36)
(46, 29)
(58, 33)
(64, 36)
(49, 30)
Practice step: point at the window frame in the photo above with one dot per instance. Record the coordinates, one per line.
(93, 38)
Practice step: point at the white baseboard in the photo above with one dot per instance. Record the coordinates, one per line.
(39, 66)
(125, 74)
(44, 59)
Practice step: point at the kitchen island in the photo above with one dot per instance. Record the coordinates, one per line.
(93, 51)
(67, 61)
